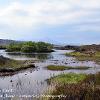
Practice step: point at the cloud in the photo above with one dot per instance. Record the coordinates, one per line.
(35, 17)
(52, 12)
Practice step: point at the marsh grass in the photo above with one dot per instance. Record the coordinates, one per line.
(10, 65)
(81, 56)
(56, 68)
(61, 68)
(76, 86)
(67, 78)
(76, 54)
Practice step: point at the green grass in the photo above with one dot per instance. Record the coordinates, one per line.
(61, 68)
(85, 57)
(76, 54)
(76, 86)
(68, 78)
(56, 68)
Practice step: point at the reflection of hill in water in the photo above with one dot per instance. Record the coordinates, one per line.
(40, 56)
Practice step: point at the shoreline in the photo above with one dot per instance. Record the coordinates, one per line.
(13, 72)
(10, 66)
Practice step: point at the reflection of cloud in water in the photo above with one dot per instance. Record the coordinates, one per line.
(32, 81)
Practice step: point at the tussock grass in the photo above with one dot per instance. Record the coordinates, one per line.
(76, 86)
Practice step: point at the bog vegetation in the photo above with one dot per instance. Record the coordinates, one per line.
(29, 47)
(61, 68)
(8, 65)
(76, 86)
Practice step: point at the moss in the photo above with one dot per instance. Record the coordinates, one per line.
(61, 68)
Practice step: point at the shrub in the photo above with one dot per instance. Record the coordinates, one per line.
(30, 47)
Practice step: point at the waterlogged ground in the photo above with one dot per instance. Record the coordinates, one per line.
(33, 81)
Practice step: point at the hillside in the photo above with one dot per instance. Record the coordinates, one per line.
(7, 42)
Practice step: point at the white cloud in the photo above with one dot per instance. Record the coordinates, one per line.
(46, 12)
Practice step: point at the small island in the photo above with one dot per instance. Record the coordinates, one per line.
(30, 47)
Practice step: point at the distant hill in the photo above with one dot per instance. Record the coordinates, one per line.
(7, 42)
(92, 47)
(67, 47)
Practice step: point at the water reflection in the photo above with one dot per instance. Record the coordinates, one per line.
(32, 81)
(40, 56)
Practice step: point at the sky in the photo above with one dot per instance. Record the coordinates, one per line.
(55, 21)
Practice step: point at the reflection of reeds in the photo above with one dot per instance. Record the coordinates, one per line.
(88, 89)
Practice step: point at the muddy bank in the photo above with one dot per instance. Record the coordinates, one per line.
(10, 66)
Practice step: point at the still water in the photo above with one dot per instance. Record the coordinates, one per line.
(33, 81)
